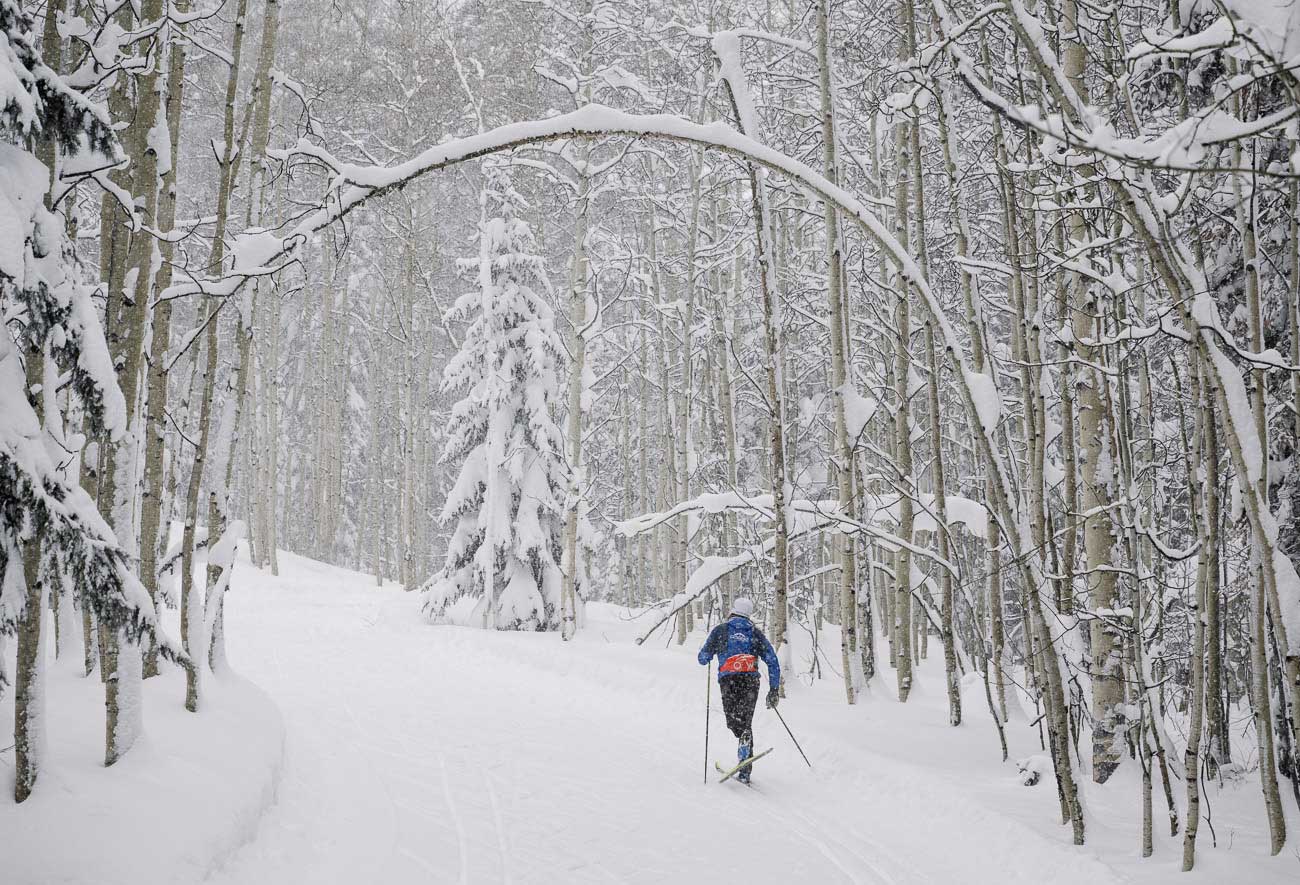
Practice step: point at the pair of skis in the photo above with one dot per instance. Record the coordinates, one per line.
(729, 774)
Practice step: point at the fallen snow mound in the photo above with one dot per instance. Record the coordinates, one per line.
(189, 793)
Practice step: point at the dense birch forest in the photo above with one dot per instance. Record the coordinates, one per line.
(958, 331)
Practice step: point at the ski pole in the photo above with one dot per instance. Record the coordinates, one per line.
(708, 704)
(792, 737)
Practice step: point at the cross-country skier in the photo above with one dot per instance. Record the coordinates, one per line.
(738, 644)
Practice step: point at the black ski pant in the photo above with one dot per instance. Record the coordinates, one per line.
(739, 697)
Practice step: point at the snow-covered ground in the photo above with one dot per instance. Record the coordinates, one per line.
(441, 754)
(190, 792)
(423, 754)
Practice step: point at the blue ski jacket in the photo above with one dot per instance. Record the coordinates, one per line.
(738, 645)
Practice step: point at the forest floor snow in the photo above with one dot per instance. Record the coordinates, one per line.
(419, 753)
(415, 753)
(191, 790)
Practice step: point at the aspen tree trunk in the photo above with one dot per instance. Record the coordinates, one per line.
(996, 630)
(903, 627)
(29, 677)
(343, 359)
(683, 440)
(239, 380)
(260, 101)
(1196, 717)
(1031, 380)
(324, 401)
(887, 444)
(61, 599)
(644, 504)
(191, 605)
(378, 493)
(1108, 706)
(1219, 749)
(1144, 759)
(936, 430)
(339, 430)
(1246, 223)
(975, 325)
(155, 522)
(129, 280)
(1292, 664)
(1036, 657)
(264, 375)
(29, 672)
(89, 638)
(941, 512)
(107, 654)
(664, 545)
(1139, 443)
(574, 424)
(374, 450)
(272, 489)
(255, 476)
(1271, 613)
(114, 234)
(726, 405)
(424, 529)
(1070, 455)
(219, 515)
(1149, 731)
(407, 505)
(842, 458)
(765, 257)
(623, 587)
(1262, 702)
(866, 572)
(902, 603)
(191, 609)
(1294, 231)
(1262, 711)
(1040, 649)
(318, 365)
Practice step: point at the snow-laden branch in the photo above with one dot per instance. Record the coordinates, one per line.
(703, 33)
(812, 516)
(1182, 147)
(1181, 275)
(354, 184)
(806, 517)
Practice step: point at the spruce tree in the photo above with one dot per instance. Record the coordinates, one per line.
(502, 566)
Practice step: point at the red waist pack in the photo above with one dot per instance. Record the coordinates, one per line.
(739, 664)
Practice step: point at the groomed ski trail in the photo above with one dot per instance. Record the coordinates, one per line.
(423, 754)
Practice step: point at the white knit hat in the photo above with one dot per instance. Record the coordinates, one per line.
(742, 606)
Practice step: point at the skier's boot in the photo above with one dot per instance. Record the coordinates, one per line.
(745, 750)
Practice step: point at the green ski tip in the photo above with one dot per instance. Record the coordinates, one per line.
(728, 774)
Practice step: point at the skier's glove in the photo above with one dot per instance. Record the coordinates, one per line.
(772, 697)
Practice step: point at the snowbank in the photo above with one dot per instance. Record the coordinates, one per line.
(189, 793)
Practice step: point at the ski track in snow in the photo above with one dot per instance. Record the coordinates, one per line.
(422, 754)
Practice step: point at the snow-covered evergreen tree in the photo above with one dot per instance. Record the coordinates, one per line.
(502, 566)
